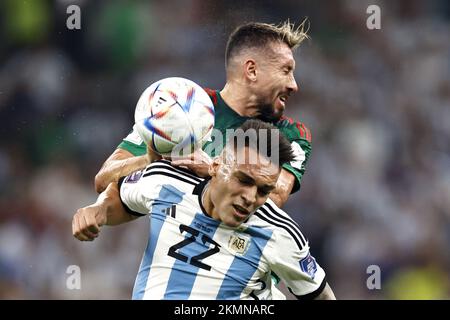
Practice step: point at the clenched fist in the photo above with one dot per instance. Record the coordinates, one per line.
(87, 221)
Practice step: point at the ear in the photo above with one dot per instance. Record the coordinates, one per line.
(250, 69)
(214, 167)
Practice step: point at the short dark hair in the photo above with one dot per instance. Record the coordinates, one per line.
(283, 146)
(257, 34)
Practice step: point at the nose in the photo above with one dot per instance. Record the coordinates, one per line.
(249, 195)
(292, 85)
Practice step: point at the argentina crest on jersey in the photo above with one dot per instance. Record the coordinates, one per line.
(308, 265)
(238, 243)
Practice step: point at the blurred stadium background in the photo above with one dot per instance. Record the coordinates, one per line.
(377, 187)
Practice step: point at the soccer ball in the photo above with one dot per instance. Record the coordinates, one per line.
(174, 117)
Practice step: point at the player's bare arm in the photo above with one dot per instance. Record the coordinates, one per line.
(283, 188)
(326, 294)
(119, 164)
(107, 210)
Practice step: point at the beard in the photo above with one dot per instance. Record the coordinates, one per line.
(267, 113)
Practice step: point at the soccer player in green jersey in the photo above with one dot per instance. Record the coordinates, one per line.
(260, 78)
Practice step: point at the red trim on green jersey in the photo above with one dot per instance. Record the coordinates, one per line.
(308, 133)
(212, 94)
(302, 129)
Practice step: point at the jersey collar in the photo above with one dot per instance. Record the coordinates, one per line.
(198, 190)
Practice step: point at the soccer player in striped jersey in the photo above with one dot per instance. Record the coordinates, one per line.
(260, 78)
(217, 238)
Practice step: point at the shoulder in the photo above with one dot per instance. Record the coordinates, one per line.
(166, 170)
(159, 180)
(271, 217)
(158, 174)
(293, 129)
(212, 93)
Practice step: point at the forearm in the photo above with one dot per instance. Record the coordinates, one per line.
(114, 210)
(279, 197)
(121, 163)
(326, 294)
(283, 188)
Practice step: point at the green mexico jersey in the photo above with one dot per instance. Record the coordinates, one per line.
(227, 118)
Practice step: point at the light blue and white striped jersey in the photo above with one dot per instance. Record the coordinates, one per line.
(189, 255)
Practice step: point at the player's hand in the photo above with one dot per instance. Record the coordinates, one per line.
(198, 162)
(87, 221)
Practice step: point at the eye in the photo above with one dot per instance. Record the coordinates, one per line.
(263, 192)
(287, 70)
(245, 181)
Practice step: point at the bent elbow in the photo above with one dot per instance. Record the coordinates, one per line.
(99, 182)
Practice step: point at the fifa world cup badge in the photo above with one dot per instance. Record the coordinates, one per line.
(308, 265)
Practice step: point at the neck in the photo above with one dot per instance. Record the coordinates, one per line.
(238, 98)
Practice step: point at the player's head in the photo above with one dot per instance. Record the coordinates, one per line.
(247, 171)
(260, 57)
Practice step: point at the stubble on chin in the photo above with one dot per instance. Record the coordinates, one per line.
(267, 113)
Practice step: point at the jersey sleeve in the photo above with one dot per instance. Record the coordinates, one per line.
(159, 184)
(133, 143)
(290, 258)
(300, 137)
(137, 192)
(297, 267)
(302, 152)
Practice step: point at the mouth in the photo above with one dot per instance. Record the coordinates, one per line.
(240, 211)
(283, 99)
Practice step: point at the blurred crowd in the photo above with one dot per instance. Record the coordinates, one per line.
(377, 186)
